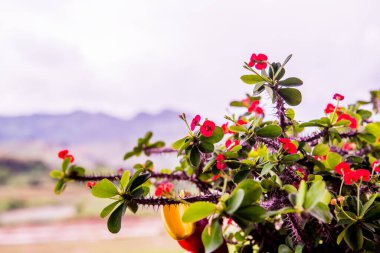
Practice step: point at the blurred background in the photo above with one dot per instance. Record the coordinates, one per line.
(92, 76)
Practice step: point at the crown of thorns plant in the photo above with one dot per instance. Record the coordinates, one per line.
(263, 185)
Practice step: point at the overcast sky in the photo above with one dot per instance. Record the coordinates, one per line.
(124, 57)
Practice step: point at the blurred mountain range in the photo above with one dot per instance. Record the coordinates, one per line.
(95, 138)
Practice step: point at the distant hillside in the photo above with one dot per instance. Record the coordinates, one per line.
(82, 127)
(96, 138)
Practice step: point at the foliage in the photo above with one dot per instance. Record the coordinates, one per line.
(264, 185)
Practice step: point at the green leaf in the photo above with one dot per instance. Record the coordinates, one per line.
(301, 194)
(132, 206)
(198, 211)
(251, 79)
(283, 248)
(125, 179)
(213, 240)
(354, 238)
(56, 174)
(195, 157)
(108, 209)
(129, 155)
(252, 213)
(104, 189)
(270, 131)
(333, 159)
(267, 167)
(206, 147)
(367, 137)
(59, 187)
(341, 235)
(179, 143)
(238, 129)
(252, 191)
(216, 136)
(139, 180)
(114, 221)
(291, 158)
(373, 213)
(365, 114)
(65, 164)
(234, 201)
(291, 96)
(368, 204)
(290, 114)
(321, 150)
(291, 82)
(290, 188)
(314, 194)
(322, 212)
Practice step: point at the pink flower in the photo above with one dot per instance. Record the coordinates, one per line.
(259, 61)
(338, 96)
(207, 129)
(195, 122)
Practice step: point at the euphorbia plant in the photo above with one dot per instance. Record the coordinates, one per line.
(263, 184)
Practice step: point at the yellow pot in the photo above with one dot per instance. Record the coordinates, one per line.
(172, 217)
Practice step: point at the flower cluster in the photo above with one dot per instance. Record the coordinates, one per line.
(352, 176)
(258, 61)
(163, 189)
(288, 146)
(206, 129)
(63, 154)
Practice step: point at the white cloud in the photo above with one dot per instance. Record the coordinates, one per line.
(123, 57)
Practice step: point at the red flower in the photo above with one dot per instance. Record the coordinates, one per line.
(207, 129)
(259, 110)
(241, 122)
(163, 189)
(362, 173)
(348, 146)
(259, 61)
(289, 146)
(302, 173)
(195, 122)
(215, 177)
(230, 144)
(229, 221)
(376, 166)
(225, 128)
(337, 96)
(91, 184)
(329, 108)
(320, 158)
(342, 168)
(253, 106)
(246, 101)
(353, 121)
(220, 164)
(63, 154)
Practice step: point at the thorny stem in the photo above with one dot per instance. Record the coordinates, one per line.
(150, 201)
(149, 151)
